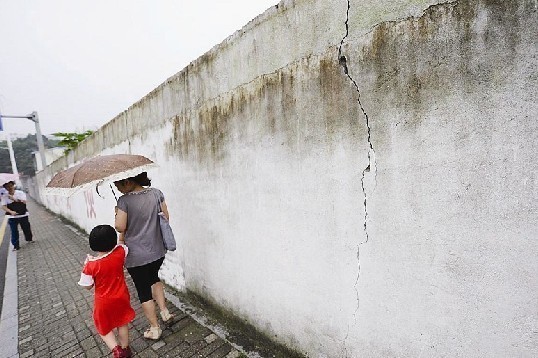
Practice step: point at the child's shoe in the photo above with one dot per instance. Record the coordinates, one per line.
(167, 317)
(153, 333)
(126, 352)
(117, 352)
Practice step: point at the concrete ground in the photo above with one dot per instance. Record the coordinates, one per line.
(46, 314)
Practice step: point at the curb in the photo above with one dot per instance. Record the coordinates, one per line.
(9, 322)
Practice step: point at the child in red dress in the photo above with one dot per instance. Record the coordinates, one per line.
(112, 308)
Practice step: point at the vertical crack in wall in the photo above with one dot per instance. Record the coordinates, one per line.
(370, 167)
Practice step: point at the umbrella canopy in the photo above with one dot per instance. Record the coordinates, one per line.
(7, 177)
(95, 171)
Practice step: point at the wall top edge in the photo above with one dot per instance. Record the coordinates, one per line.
(259, 19)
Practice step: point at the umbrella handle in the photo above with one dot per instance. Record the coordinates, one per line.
(97, 191)
(115, 197)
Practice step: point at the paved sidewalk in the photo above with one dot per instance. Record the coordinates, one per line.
(54, 313)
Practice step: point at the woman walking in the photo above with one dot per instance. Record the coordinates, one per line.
(138, 225)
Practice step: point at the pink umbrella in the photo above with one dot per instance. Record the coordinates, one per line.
(7, 177)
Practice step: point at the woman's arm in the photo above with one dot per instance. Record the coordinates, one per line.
(7, 210)
(121, 221)
(164, 209)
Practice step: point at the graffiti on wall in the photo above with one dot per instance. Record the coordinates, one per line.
(90, 210)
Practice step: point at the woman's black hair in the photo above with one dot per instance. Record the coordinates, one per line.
(9, 182)
(103, 238)
(141, 179)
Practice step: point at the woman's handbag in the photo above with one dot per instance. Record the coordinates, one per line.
(18, 206)
(166, 230)
(168, 235)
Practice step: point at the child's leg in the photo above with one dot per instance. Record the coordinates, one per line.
(110, 340)
(123, 336)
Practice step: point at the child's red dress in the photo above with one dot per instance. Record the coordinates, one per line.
(112, 306)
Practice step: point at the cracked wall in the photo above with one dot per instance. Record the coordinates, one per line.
(450, 99)
(354, 178)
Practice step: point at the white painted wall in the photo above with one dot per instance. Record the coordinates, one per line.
(263, 150)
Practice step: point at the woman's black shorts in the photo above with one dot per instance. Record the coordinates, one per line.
(144, 277)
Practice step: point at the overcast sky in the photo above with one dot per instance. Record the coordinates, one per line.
(79, 63)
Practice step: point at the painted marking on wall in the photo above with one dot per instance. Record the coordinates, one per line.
(90, 210)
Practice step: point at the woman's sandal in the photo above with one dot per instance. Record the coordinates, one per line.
(153, 333)
(167, 317)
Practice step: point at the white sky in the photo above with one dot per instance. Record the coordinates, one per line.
(79, 63)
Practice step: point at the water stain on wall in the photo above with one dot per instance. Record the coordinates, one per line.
(199, 137)
(417, 58)
(303, 104)
(309, 102)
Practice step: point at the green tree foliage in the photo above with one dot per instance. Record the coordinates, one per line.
(23, 148)
(70, 140)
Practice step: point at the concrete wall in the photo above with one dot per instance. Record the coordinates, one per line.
(51, 154)
(355, 179)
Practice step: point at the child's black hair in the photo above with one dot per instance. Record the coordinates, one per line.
(103, 238)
